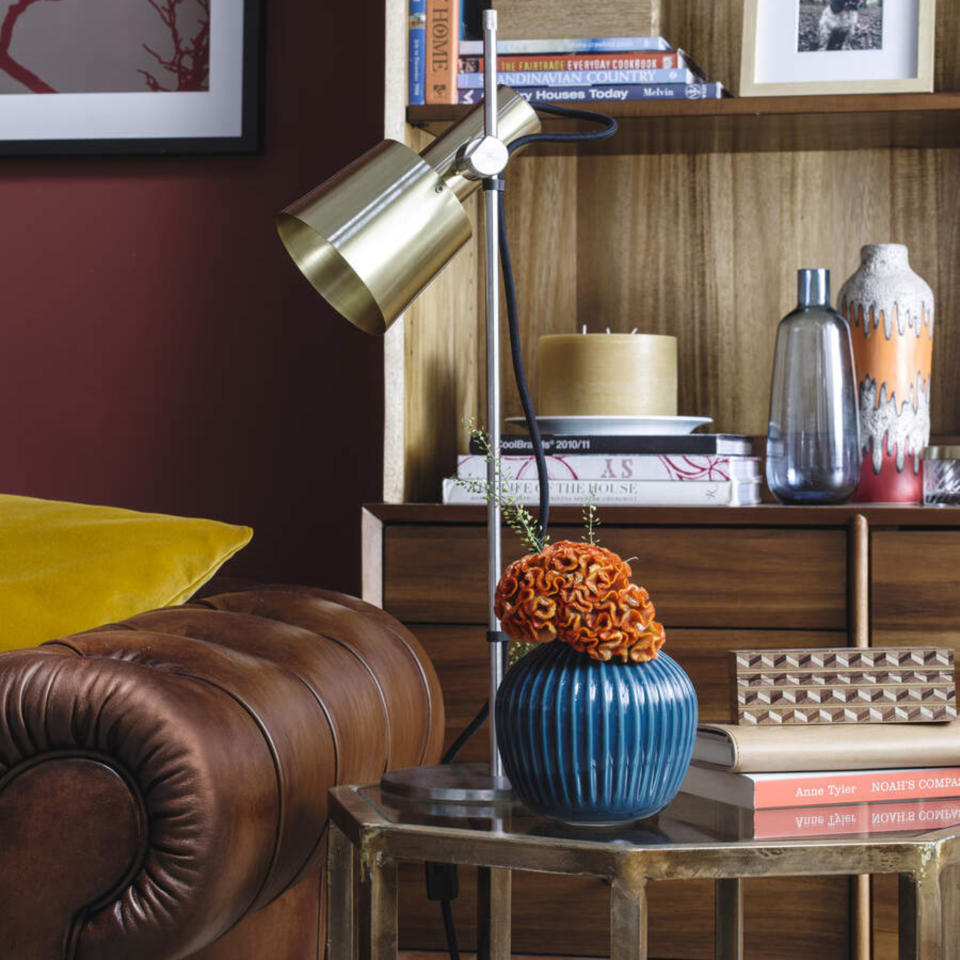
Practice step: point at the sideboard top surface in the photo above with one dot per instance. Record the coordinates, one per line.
(876, 515)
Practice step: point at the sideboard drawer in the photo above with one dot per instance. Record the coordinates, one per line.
(733, 577)
(916, 587)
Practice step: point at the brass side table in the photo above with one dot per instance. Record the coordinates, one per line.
(370, 831)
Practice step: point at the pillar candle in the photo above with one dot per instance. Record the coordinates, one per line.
(607, 374)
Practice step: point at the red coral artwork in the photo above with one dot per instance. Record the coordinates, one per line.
(189, 64)
(7, 63)
(581, 594)
(165, 42)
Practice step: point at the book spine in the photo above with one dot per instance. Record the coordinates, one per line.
(416, 46)
(613, 467)
(859, 787)
(569, 45)
(855, 818)
(660, 493)
(579, 78)
(653, 91)
(442, 29)
(690, 444)
(619, 60)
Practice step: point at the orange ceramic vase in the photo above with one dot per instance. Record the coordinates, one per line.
(890, 312)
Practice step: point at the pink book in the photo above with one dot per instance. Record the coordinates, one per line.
(765, 790)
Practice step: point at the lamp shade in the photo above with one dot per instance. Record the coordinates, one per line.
(375, 234)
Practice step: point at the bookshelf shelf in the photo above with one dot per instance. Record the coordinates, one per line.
(756, 124)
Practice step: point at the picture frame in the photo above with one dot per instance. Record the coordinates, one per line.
(875, 46)
(137, 81)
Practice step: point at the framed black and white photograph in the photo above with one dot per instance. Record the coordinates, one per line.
(793, 47)
(129, 76)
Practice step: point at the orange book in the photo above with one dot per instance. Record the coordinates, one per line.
(764, 790)
(443, 30)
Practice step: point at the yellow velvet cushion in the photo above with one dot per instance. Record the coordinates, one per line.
(66, 567)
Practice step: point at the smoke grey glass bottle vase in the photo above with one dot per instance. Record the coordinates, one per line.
(813, 440)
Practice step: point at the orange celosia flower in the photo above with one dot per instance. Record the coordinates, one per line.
(581, 594)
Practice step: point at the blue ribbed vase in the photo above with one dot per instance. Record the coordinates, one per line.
(594, 742)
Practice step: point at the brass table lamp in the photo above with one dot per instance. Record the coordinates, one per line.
(369, 240)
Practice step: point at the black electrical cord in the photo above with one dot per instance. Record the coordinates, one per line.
(468, 731)
(450, 930)
(506, 266)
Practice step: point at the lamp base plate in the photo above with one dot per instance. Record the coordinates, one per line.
(460, 783)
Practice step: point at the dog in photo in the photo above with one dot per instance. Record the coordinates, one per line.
(838, 24)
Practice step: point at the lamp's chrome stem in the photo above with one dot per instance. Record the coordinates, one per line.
(490, 73)
(491, 263)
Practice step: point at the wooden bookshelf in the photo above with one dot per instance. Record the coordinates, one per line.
(753, 124)
(692, 221)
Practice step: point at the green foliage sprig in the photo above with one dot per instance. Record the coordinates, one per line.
(591, 520)
(516, 516)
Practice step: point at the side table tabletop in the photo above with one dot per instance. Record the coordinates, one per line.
(371, 830)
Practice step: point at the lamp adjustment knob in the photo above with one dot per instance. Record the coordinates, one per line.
(482, 158)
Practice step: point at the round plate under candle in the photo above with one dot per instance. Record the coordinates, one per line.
(615, 426)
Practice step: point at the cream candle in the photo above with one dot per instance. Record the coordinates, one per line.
(607, 374)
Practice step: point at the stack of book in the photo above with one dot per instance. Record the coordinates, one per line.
(689, 470)
(444, 68)
(825, 780)
(584, 71)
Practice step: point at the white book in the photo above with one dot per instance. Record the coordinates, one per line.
(685, 468)
(648, 493)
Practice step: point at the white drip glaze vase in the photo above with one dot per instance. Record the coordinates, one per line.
(890, 311)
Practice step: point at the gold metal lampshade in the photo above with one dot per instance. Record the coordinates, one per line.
(374, 235)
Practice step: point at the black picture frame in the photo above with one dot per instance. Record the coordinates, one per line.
(248, 138)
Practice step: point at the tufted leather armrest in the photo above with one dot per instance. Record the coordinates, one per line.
(165, 777)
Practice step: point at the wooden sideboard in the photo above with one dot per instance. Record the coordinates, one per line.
(721, 579)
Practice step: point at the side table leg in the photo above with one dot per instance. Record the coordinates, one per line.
(921, 920)
(493, 913)
(377, 907)
(728, 919)
(340, 925)
(628, 919)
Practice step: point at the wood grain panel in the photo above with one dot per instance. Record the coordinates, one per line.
(441, 366)
(541, 204)
(711, 33)
(916, 587)
(792, 919)
(745, 224)
(947, 39)
(459, 654)
(741, 577)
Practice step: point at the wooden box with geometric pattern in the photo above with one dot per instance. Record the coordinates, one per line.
(843, 685)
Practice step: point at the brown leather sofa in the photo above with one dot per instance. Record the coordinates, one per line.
(163, 780)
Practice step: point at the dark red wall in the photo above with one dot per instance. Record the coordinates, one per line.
(159, 349)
